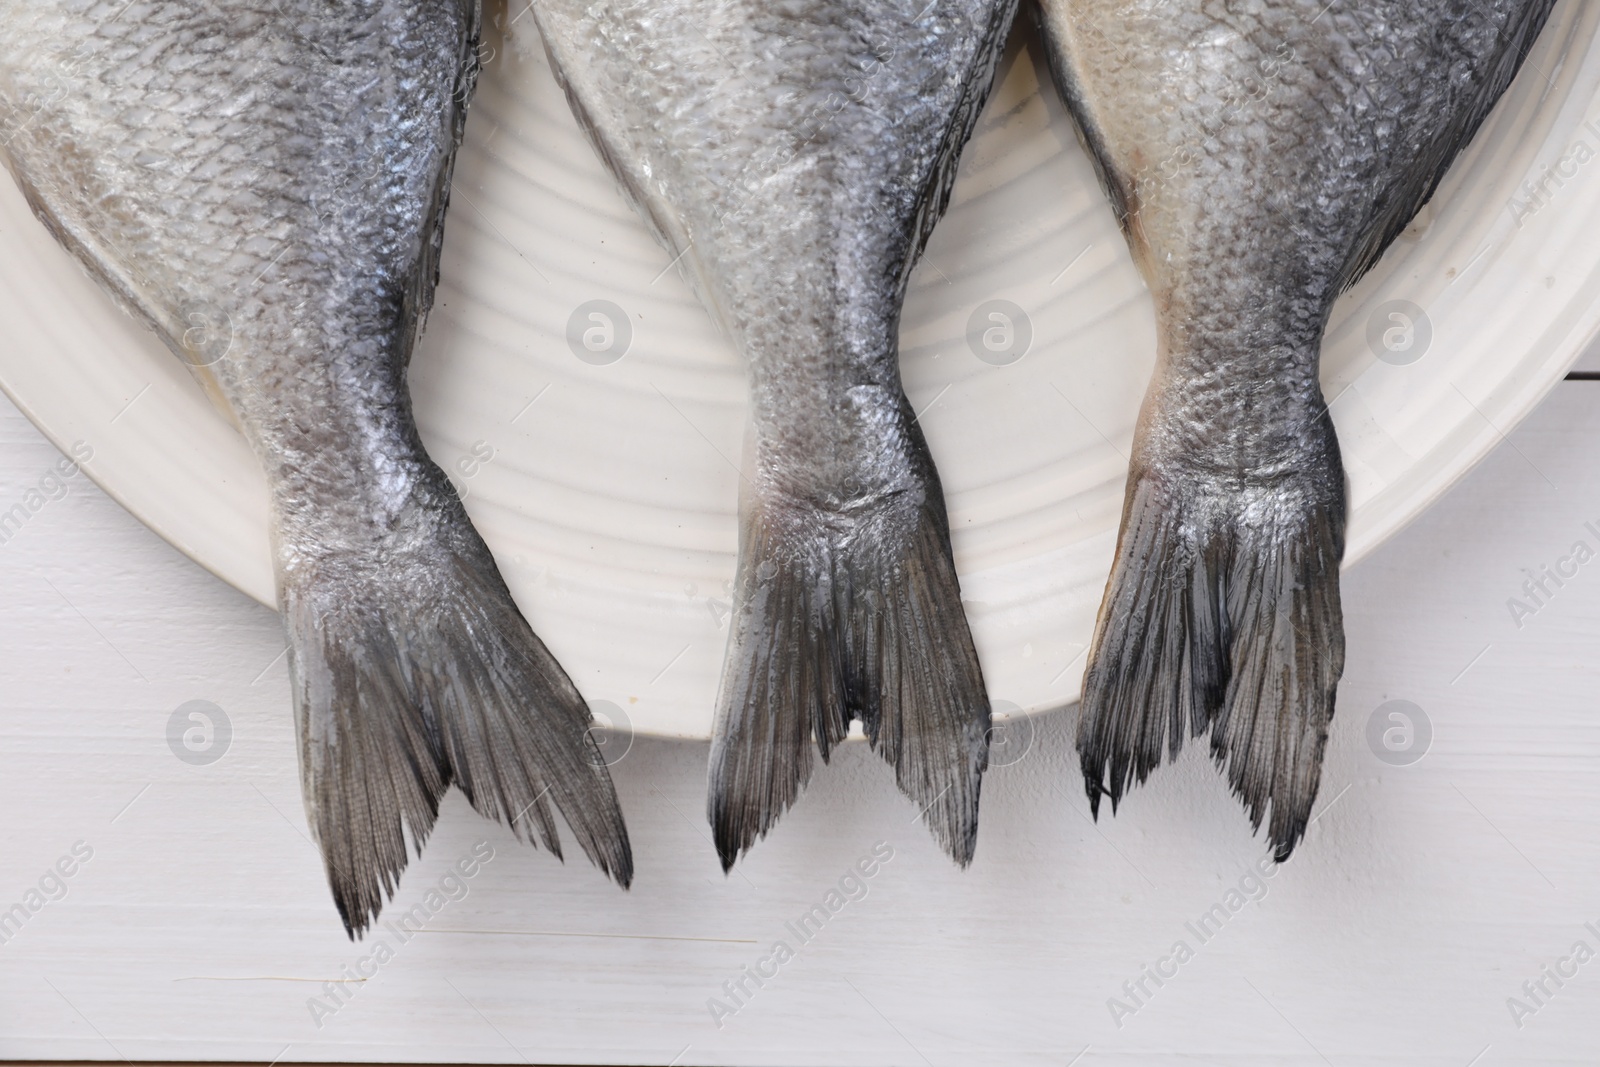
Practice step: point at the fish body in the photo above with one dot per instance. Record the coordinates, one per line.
(1260, 157)
(264, 185)
(793, 157)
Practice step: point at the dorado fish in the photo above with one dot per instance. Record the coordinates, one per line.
(793, 157)
(264, 185)
(1260, 157)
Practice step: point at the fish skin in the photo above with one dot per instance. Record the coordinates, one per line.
(794, 156)
(279, 170)
(1260, 157)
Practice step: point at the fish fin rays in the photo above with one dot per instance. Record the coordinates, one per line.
(1286, 657)
(418, 673)
(1156, 668)
(931, 721)
(1214, 622)
(821, 635)
(783, 685)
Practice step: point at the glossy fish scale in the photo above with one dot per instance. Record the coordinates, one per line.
(776, 145)
(208, 189)
(795, 156)
(1261, 156)
(264, 184)
(230, 205)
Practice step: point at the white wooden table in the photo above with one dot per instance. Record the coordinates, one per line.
(1424, 897)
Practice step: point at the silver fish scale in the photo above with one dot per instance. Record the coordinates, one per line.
(1253, 146)
(217, 195)
(785, 148)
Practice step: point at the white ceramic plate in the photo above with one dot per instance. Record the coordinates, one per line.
(610, 488)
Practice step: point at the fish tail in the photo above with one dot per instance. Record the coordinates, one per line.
(413, 669)
(826, 629)
(1221, 614)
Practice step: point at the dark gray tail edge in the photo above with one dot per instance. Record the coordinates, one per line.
(1211, 622)
(419, 673)
(822, 635)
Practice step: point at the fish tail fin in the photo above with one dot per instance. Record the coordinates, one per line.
(412, 669)
(828, 628)
(1286, 658)
(1157, 666)
(1222, 614)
